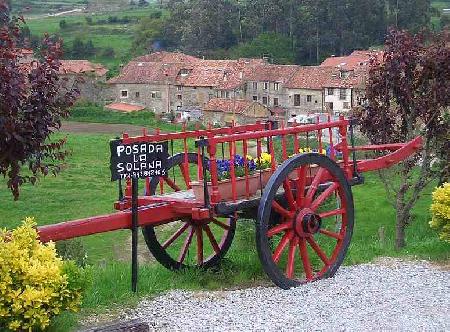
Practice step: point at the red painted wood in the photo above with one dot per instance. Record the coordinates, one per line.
(175, 236)
(106, 223)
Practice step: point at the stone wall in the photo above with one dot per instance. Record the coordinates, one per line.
(315, 104)
(152, 96)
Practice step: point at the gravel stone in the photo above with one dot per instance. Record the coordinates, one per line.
(390, 295)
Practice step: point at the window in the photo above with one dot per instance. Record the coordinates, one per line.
(275, 102)
(210, 96)
(264, 100)
(346, 105)
(156, 94)
(343, 94)
(255, 85)
(123, 93)
(329, 106)
(276, 86)
(266, 86)
(255, 98)
(179, 97)
(309, 98)
(227, 94)
(222, 94)
(296, 100)
(179, 88)
(330, 91)
(137, 94)
(184, 72)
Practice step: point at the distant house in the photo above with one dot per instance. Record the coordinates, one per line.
(166, 82)
(89, 78)
(355, 60)
(344, 90)
(305, 90)
(220, 111)
(266, 84)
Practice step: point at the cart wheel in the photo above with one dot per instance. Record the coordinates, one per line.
(187, 243)
(318, 221)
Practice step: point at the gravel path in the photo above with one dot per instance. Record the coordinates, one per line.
(390, 295)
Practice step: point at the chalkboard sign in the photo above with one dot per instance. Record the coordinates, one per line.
(138, 160)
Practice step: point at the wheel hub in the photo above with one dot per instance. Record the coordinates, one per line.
(307, 222)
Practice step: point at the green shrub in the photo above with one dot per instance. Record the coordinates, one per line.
(35, 284)
(440, 210)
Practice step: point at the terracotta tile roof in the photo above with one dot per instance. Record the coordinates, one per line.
(310, 77)
(26, 51)
(355, 60)
(124, 107)
(149, 72)
(81, 67)
(167, 57)
(356, 79)
(272, 73)
(237, 106)
(317, 77)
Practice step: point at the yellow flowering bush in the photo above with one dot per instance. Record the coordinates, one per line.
(440, 211)
(35, 284)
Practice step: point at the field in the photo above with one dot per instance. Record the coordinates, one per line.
(107, 31)
(84, 189)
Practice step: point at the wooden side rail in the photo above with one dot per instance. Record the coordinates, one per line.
(404, 151)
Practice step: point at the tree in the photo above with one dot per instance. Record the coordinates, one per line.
(276, 46)
(408, 95)
(89, 49)
(78, 48)
(63, 24)
(33, 101)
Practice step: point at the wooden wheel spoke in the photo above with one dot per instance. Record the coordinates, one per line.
(331, 213)
(199, 233)
(185, 172)
(281, 210)
(283, 243)
(186, 244)
(291, 258)
(314, 184)
(211, 239)
(305, 259)
(278, 229)
(219, 223)
(171, 183)
(175, 236)
(300, 185)
(288, 194)
(331, 234)
(323, 196)
(323, 257)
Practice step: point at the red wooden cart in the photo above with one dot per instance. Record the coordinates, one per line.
(303, 203)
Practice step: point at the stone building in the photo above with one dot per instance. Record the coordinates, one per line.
(266, 84)
(88, 77)
(220, 111)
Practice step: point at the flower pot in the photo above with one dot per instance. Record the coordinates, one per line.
(225, 186)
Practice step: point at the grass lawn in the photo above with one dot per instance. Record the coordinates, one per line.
(98, 114)
(84, 189)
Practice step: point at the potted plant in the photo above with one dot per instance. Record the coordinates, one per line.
(258, 173)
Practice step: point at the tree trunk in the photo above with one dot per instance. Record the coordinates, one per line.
(402, 220)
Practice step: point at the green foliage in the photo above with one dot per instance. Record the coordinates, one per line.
(277, 47)
(72, 250)
(440, 210)
(88, 112)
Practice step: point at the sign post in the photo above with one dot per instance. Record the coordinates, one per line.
(136, 161)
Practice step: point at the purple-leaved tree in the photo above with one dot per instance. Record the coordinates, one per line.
(33, 101)
(408, 94)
